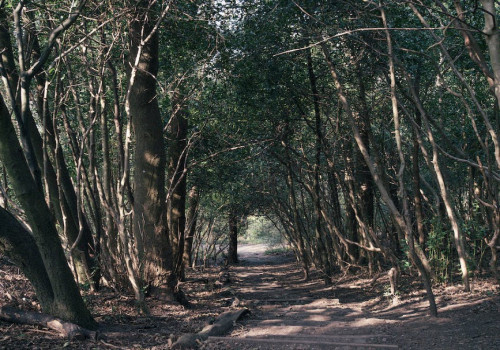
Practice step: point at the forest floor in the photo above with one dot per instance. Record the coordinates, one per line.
(285, 312)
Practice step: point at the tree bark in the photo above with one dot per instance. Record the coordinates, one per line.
(64, 207)
(321, 240)
(66, 329)
(149, 222)
(68, 302)
(19, 245)
(232, 254)
(176, 203)
(398, 218)
(192, 219)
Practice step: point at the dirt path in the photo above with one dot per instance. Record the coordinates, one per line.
(288, 313)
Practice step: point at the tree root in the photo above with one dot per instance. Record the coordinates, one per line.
(65, 329)
(222, 324)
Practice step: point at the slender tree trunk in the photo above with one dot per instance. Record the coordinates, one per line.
(320, 239)
(447, 201)
(402, 164)
(232, 254)
(192, 219)
(398, 218)
(350, 220)
(176, 163)
(108, 241)
(417, 197)
(362, 172)
(296, 220)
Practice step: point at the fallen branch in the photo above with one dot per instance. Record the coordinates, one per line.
(222, 324)
(66, 329)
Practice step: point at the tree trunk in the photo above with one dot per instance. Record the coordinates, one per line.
(447, 200)
(362, 172)
(232, 254)
(321, 241)
(64, 207)
(149, 226)
(398, 218)
(304, 259)
(176, 204)
(400, 175)
(492, 35)
(19, 246)
(68, 302)
(192, 218)
(68, 330)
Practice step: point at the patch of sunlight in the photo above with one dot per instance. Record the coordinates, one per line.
(371, 321)
(277, 330)
(318, 318)
(152, 159)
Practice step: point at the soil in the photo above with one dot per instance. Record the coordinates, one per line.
(286, 312)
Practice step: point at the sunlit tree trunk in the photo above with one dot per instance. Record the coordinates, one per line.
(149, 222)
(191, 220)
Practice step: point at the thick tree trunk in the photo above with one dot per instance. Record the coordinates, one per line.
(64, 207)
(19, 245)
(68, 302)
(492, 36)
(149, 226)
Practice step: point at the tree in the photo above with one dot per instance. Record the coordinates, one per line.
(152, 244)
(67, 302)
(62, 298)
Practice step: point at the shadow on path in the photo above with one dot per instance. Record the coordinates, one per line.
(290, 313)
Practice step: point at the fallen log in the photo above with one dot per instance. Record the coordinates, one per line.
(222, 324)
(64, 328)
